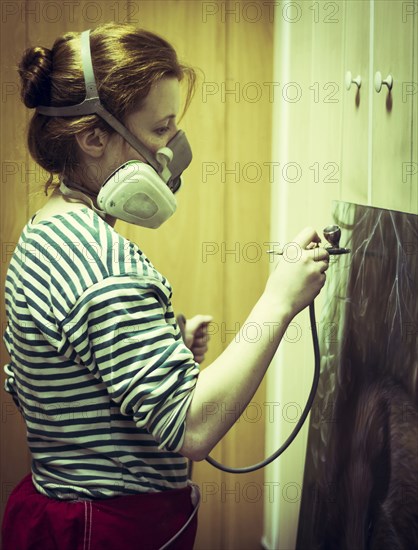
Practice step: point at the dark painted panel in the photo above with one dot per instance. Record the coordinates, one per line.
(361, 473)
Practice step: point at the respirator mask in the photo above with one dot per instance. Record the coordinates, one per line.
(137, 192)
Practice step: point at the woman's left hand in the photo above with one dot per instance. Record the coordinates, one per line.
(196, 336)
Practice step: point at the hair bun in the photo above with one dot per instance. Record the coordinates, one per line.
(35, 72)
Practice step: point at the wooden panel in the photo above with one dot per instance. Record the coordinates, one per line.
(246, 176)
(14, 457)
(190, 248)
(355, 131)
(392, 112)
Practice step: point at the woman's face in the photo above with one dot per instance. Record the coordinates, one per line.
(154, 124)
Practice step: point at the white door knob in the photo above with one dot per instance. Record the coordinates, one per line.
(350, 80)
(378, 82)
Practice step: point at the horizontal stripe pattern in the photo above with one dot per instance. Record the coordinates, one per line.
(98, 368)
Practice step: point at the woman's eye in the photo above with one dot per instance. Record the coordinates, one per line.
(161, 131)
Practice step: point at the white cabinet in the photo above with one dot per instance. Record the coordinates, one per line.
(379, 128)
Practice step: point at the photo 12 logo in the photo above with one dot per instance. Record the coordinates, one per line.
(254, 12)
(69, 11)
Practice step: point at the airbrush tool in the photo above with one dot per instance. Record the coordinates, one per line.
(332, 233)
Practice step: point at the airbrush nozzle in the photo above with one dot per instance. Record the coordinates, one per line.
(332, 233)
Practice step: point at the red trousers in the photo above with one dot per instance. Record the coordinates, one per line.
(33, 521)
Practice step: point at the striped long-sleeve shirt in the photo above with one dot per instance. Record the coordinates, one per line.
(98, 367)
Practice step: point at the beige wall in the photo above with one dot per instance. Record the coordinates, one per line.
(218, 210)
(337, 147)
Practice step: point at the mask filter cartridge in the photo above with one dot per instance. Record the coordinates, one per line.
(135, 193)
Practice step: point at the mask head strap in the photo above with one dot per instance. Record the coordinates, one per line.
(92, 105)
(73, 193)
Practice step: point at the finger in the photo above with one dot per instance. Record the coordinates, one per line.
(198, 357)
(323, 267)
(307, 236)
(202, 333)
(198, 348)
(198, 321)
(201, 340)
(319, 254)
(203, 319)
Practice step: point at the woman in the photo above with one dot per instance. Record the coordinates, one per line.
(113, 399)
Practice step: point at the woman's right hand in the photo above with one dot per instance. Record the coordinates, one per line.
(299, 274)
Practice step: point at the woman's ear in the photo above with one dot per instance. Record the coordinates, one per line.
(93, 142)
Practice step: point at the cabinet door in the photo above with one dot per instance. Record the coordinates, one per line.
(392, 182)
(356, 104)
